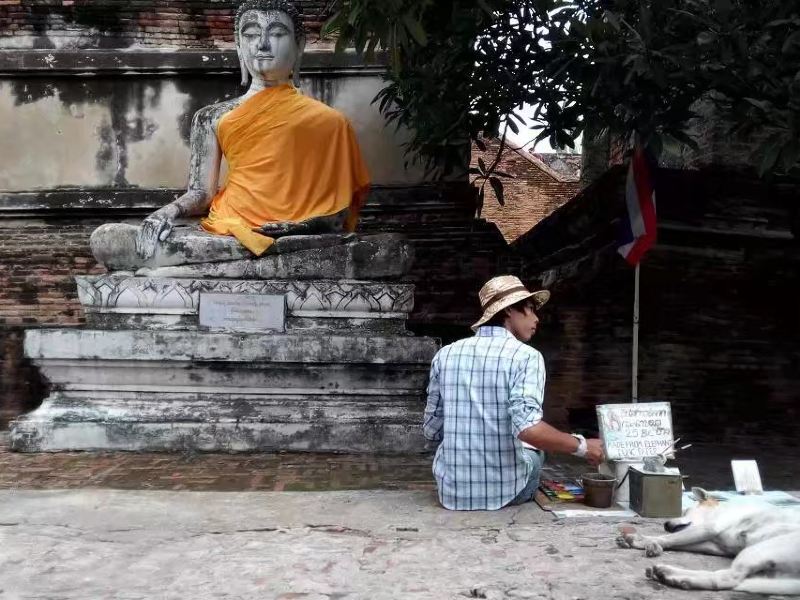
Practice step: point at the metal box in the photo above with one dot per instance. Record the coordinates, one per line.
(655, 494)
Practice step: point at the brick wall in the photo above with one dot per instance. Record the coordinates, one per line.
(718, 340)
(125, 23)
(21, 387)
(37, 261)
(719, 325)
(534, 192)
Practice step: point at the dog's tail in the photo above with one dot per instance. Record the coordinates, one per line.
(783, 586)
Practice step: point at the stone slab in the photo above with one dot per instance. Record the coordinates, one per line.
(222, 423)
(223, 391)
(316, 323)
(216, 377)
(177, 346)
(242, 312)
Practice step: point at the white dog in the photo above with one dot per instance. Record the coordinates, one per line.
(763, 539)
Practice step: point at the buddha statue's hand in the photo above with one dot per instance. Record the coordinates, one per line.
(156, 228)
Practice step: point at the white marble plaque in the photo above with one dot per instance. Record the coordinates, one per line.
(243, 312)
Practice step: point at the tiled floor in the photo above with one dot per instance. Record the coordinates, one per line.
(708, 467)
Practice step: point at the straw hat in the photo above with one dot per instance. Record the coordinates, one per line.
(501, 292)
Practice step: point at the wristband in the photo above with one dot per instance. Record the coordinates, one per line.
(582, 446)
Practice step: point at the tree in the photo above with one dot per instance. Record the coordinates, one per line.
(460, 68)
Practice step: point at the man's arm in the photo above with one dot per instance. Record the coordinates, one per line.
(527, 393)
(549, 438)
(434, 411)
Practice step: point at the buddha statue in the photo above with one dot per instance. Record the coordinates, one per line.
(294, 164)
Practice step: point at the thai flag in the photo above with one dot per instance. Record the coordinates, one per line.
(638, 230)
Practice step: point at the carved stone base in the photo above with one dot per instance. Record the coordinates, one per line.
(317, 365)
(210, 391)
(124, 302)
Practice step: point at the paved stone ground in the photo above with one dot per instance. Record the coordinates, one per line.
(86, 544)
(229, 526)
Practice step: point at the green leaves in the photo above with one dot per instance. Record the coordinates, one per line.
(415, 29)
(459, 69)
(497, 186)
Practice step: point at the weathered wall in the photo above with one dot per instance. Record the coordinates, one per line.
(122, 24)
(720, 327)
(104, 120)
(38, 258)
(533, 192)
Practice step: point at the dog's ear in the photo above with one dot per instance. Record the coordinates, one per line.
(699, 494)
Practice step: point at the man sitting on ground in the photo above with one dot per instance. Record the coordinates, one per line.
(485, 401)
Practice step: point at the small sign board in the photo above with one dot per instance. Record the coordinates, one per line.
(634, 431)
(243, 312)
(746, 476)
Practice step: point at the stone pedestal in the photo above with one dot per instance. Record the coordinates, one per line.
(171, 364)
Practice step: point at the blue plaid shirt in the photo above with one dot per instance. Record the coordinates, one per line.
(483, 392)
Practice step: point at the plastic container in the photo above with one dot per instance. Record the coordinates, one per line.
(619, 469)
(598, 489)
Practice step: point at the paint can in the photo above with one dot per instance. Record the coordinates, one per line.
(598, 489)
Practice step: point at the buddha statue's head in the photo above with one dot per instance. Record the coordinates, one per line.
(270, 40)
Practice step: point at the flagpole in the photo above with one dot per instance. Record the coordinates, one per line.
(635, 361)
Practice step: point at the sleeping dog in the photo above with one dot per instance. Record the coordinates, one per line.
(764, 541)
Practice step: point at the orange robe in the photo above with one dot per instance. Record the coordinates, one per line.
(290, 158)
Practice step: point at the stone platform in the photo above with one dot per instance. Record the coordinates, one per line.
(302, 365)
(124, 302)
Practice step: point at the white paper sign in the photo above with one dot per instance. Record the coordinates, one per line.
(634, 431)
(243, 312)
(746, 476)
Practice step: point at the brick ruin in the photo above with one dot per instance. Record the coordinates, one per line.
(719, 324)
(125, 24)
(538, 185)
